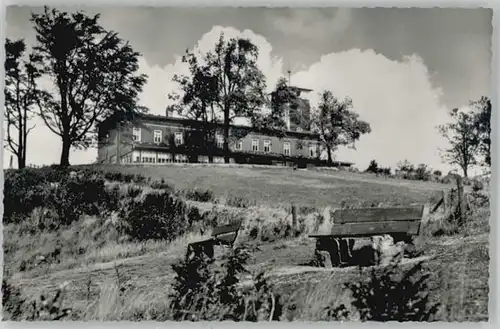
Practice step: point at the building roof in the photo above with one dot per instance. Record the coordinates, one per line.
(300, 89)
(192, 122)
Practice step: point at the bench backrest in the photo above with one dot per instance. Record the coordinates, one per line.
(229, 228)
(227, 233)
(377, 221)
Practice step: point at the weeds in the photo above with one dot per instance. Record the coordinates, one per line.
(49, 309)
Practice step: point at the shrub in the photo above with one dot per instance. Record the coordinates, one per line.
(133, 192)
(67, 194)
(392, 294)
(162, 185)
(76, 196)
(23, 191)
(384, 171)
(199, 195)
(239, 202)
(157, 215)
(437, 173)
(192, 288)
(204, 292)
(372, 167)
(422, 173)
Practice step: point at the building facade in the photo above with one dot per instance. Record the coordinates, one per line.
(154, 139)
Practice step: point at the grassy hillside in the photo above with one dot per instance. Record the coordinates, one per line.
(115, 270)
(281, 186)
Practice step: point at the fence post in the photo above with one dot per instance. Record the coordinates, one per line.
(294, 216)
(445, 201)
(461, 201)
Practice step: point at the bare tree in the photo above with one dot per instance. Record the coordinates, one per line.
(20, 92)
(94, 72)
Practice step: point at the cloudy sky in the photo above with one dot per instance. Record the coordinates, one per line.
(403, 68)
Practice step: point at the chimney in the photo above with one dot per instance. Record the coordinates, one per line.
(169, 111)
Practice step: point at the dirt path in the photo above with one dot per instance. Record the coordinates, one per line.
(279, 260)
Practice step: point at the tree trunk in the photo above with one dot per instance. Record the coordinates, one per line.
(66, 145)
(464, 169)
(329, 153)
(226, 138)
(21, 162)
(25, 139)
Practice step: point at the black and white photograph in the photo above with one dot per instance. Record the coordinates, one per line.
(247, 164)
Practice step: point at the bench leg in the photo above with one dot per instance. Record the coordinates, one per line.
(209, 250)
(198, 250)
(328, 248)
(410, 250)
(346, 246)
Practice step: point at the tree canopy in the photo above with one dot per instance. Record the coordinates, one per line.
(94, 74)
(337, 124)
(223, 84)
(21, 93)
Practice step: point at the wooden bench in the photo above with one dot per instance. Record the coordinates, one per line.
(221, 235)
(402, 223)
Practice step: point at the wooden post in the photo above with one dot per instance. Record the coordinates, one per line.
(445, 201)
(294, 217)
(461, 201)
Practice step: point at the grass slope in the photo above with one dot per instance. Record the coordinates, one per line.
(281, 186)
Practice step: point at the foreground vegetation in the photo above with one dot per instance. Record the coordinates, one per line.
(116, 241)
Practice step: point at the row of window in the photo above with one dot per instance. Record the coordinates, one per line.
(157, 136)
(179, 158)
(179, 139)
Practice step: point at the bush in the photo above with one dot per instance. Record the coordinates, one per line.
(384, 171)
(239, 202)
(23, 192)
(391, 294)
(199, 195)
(372, 167)
(75, 196)
(204, 292)
(162, 185)
(157, 215)
(422, 173)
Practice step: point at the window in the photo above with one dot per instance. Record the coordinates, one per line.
(255, 145)
(148, 159)
(178, 138)
(312, 150)
(267, 146)
(157, 136)
(137, 159)
(239, 145)
(219, 140)
(136, 134)
(286, 148)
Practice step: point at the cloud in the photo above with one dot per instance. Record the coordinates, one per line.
(305, 23)
(396, 98)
